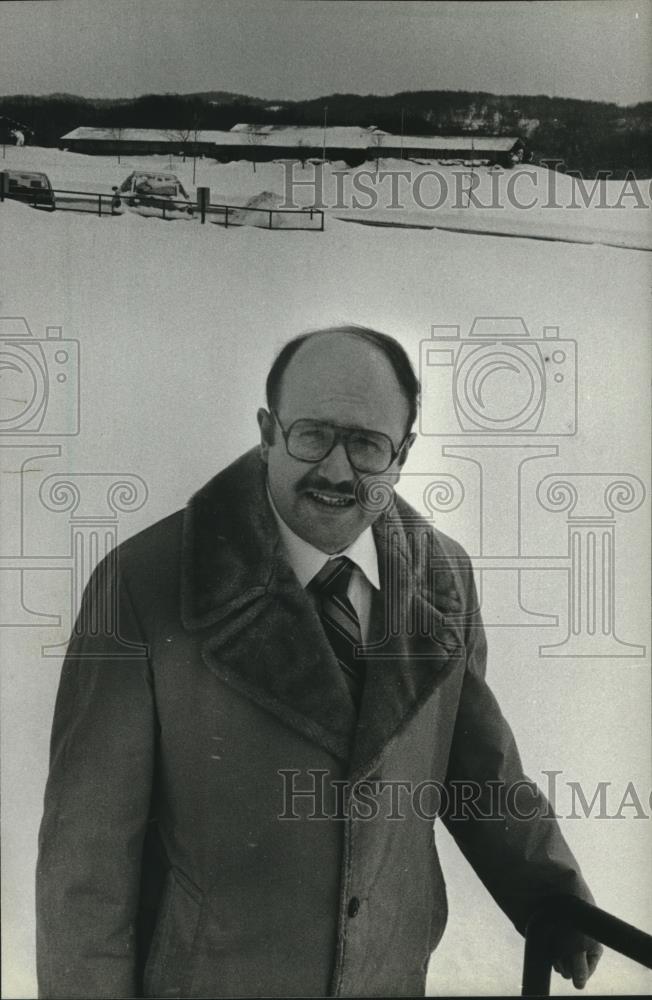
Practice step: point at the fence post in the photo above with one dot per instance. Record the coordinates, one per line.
(537, 965)
(270, 220)
(226, 216)
(3, 184)
(321, 228)
(99, 204)
(203, 201)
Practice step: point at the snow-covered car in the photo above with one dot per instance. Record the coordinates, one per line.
(34, 188)
(157, 194)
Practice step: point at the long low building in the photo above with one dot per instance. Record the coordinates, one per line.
(491, 149)
(353, 144)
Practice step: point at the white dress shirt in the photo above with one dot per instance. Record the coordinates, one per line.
(306, 561)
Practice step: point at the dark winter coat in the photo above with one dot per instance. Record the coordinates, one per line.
(169, 863)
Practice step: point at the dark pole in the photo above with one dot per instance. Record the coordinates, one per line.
(537, 967)
(563, 913)
(323, 150)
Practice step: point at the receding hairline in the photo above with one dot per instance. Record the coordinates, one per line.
(385, 345)
(360, 334)
(354, 333)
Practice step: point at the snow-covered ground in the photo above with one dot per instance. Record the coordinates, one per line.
(527, 200)
(177, 324)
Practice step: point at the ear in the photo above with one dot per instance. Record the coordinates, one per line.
(403, 454)
(266, 424)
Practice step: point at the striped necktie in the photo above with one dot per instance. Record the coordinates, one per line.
(340, 621)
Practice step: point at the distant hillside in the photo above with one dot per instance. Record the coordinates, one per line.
(586, 135)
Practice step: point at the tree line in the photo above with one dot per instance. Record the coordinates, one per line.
(585, 136)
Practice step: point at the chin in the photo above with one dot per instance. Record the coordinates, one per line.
(328, 529)
(331, 547)
(333, 541)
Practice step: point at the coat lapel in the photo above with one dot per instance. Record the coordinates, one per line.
(412, 647)
(262, 635)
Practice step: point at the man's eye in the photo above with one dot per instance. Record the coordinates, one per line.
(364, 443)
(312, 435)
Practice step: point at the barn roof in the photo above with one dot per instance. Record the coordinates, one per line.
(342, 136)
(138, 135)
(347, 137)
(469, 143)
(289, 136)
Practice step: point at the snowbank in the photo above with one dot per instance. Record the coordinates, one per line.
(523, 201)
(259, 211)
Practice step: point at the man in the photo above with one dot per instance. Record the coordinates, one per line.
(172, 862)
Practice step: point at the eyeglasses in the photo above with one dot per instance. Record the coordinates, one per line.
(313, 440)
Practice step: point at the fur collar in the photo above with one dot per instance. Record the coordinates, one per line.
(263, 636)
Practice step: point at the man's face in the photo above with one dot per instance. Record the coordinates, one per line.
(345, 381)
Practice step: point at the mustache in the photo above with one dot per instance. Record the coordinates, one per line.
(346, 488)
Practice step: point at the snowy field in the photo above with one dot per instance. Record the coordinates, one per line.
(527, 200)
(177, 324)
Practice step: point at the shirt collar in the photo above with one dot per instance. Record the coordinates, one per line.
(306, 560)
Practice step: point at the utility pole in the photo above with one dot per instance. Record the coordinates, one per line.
(323, 149)
(469, 192)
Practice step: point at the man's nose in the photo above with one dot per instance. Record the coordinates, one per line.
(336, 466)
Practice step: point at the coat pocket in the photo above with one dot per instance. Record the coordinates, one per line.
(168, 971)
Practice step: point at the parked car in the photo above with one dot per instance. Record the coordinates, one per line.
(157, 194)
(34, 188)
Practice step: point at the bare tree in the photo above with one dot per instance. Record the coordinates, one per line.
(254, 139)
(188, 139)
(180, 136)
(195, 136)
(302, 152)
(376, 142)
(116, 134)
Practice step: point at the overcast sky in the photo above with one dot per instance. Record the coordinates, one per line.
(600, 49)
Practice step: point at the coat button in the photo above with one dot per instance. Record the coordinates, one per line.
(354, 906)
